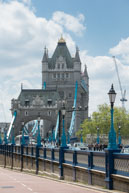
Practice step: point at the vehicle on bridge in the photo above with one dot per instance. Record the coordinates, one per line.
(18, 139)
(79, 146)
(125, 149)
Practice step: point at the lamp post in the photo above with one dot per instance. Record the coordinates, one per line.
(81, 136)
(63, 137)
(119, 136)
(13, 140)
(38, 136)
(23, 138)
(98, 140)
(112, 133)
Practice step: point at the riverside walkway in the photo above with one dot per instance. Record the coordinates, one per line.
(18, 182)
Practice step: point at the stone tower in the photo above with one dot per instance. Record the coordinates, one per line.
(60, 73)
(61, 77)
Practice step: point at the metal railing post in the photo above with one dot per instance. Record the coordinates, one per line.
(12, 147)
(90, 166)
(22, 152)
(5, 156)
(37, 159)
(61, 160)
(52, 158)
(74, 164)
(109, 165)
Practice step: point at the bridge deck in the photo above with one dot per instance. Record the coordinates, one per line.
(17, 182)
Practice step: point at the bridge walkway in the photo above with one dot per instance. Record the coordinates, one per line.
(19, 182)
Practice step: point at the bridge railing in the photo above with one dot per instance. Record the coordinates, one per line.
(65, 162)
(121, 164)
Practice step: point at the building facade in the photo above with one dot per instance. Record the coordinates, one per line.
(61, 72)
(62, 80)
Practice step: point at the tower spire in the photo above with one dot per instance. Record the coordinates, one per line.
(61, 40)
(77, 57)
(85, 71)
(45, 56)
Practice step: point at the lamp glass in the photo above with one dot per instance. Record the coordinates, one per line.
(112, 94)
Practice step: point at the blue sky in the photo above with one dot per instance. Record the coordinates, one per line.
(105, 20)
(100, 29)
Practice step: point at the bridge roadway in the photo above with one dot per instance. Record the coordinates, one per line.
(18, 182)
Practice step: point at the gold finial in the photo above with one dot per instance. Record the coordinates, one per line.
(61, 40)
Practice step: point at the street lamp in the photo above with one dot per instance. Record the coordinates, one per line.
(98, 141)
(38, 136)
(63, 137)
(119, 136)
(23, 138)
(112, 133)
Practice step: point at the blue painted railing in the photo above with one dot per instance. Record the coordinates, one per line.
(107, 162)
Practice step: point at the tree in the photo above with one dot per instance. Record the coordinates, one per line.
(101, 119)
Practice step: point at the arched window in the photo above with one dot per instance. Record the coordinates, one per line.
(54, 75)
(63, 76)
(58, 76)
(58, 66)
(67, 75)
(63, 66)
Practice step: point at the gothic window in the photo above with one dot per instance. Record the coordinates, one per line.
(67, 75)
(26, 113)
(49, 102)
(58, 76)
(49, 113)
(63, 76)
(63, 66)
(70, 95)
(54, 75)
(27, 102)
(58, 66)
(61, 93)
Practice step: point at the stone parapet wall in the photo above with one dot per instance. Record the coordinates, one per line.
(92, 170)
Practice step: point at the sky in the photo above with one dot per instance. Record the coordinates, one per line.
(100, 29)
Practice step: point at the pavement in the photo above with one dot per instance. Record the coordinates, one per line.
(12, 181)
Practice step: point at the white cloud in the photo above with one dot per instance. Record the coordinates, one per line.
(122, 49)
(23, 36)
(102, 74)
(28, 2)
(71, 23)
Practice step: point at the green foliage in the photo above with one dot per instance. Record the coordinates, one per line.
(101, 120)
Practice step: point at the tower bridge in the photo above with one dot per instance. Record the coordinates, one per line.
(62, 79)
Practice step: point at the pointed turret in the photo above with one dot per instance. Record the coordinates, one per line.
(61, 40)
(45, 56)
(85, 71)
(77, 57)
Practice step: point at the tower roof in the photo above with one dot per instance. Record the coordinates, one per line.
(61, 50)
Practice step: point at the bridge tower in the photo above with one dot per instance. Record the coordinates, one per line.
(60, 72)
(59, 76)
